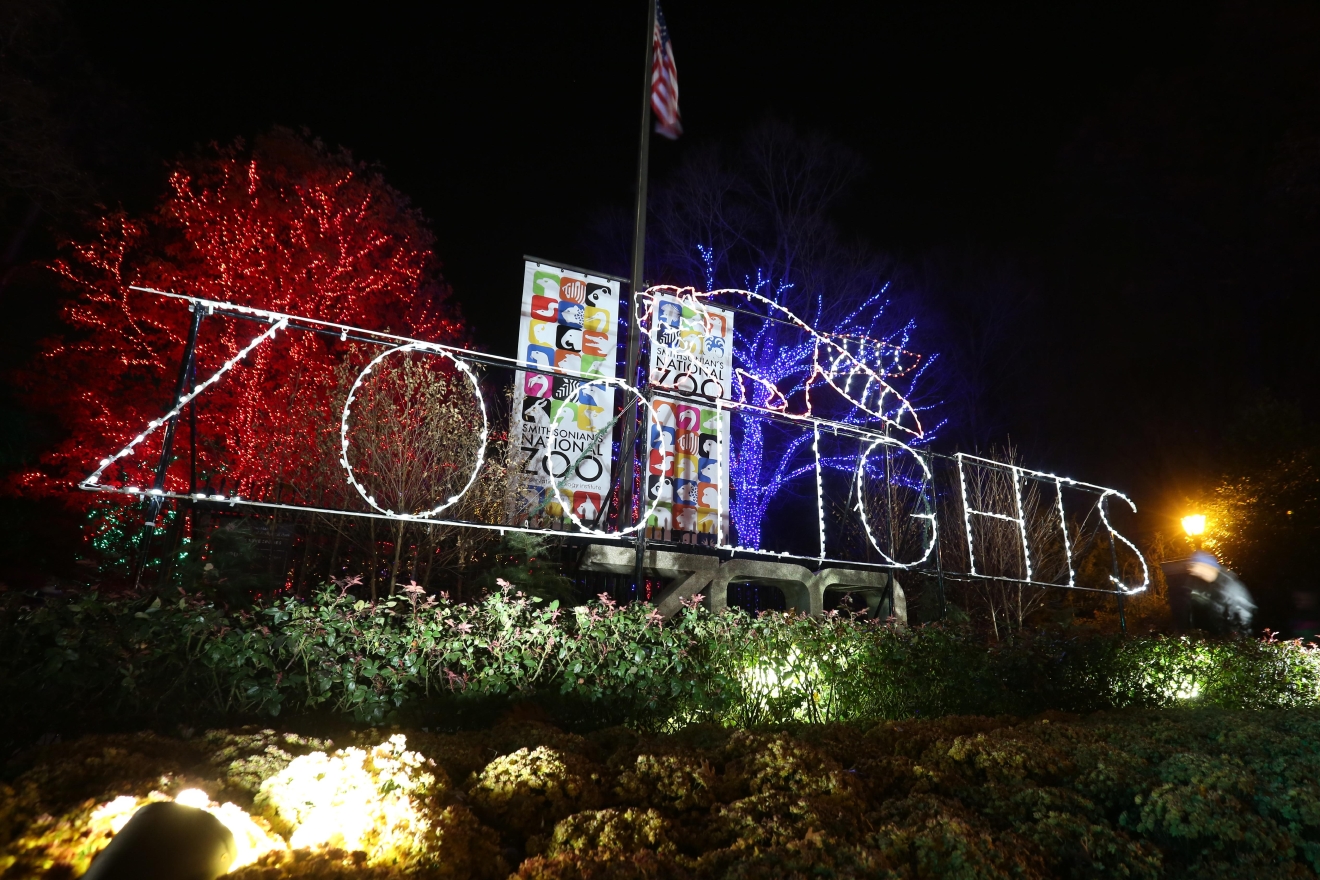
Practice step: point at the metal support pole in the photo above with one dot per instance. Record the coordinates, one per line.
(1113, 562)
(167, 444)
(939, 577)
(639, 571)
(180, 530)
(192, 429)
(889, 514)
(930, 530)
(889, 496)
(638, 282)
(639, 574)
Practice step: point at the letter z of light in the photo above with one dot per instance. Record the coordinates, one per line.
(92, 482)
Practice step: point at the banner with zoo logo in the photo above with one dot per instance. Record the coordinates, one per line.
(687, 472)
(561, 419)
(691, 348)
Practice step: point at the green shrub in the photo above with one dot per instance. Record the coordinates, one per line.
(133, 661)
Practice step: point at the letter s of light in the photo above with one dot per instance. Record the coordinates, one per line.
(1145, 570)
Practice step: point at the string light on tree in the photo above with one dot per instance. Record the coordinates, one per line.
(770, 371)
(287, 225)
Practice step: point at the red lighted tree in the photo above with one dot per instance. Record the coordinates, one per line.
(286, 225)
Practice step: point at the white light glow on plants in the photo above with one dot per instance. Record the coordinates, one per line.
(358, 800)
(354, 799)
(251, 840)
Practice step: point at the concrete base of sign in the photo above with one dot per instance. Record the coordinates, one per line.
(689, 574)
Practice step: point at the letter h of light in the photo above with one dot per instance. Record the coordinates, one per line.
(1019, 518)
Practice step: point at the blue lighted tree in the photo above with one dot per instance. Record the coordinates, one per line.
(759, 220)
(782, 360)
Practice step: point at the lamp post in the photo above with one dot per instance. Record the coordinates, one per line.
(1194, 526)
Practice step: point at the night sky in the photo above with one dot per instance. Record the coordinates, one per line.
(1134, 183)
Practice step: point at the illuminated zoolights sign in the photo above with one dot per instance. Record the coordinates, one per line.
(579, 400)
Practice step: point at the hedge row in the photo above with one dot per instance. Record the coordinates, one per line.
(423, 659)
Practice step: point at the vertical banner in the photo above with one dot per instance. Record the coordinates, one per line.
(691, 348)
(687, 474)
(560, 420)
(687, 456)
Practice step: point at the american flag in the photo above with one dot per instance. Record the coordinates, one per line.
(664, 81)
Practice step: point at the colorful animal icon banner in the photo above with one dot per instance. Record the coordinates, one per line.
(691, 348)
(687, 473)
(561, 419)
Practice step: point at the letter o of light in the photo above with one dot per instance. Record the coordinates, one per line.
(554, 481)
(481, 448)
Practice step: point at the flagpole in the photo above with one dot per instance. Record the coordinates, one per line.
(638, 283)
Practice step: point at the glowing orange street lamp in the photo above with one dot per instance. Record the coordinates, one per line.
(1194, 526)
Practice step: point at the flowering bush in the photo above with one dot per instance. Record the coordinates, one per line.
(1181, 792)
(92, 660)
(531, 789)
